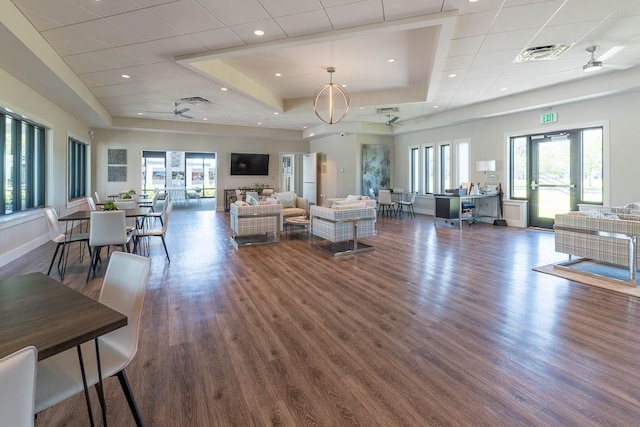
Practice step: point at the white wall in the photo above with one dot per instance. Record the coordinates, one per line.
(489, 140)
(135, 141)
(22, 232)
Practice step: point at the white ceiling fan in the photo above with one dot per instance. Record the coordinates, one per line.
(180, 113)
(598, 64)
(391, 121)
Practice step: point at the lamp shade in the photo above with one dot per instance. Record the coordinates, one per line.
(485, 165)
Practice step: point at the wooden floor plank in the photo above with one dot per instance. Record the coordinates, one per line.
(437, 326)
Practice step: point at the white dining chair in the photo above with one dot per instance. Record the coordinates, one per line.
(408, 204)
(59, 377)
(385, 203)
(58, 236)
(98, 198)
(92, 204)
(142, 233)
(17, 387)
(107, 228)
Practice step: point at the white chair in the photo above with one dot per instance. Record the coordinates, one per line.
(123, 290)
(107, 228)
(194, 194)
(17, 387)
(408, 204)
(385, 204)
(159, 214)
(98, 198)
(92, 204)
(138, 234)
(58, 236)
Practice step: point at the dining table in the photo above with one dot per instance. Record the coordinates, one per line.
(40, 311)
(85, 215)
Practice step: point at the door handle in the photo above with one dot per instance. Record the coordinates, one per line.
(534, 185)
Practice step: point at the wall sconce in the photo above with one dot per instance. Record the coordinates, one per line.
(337, 99)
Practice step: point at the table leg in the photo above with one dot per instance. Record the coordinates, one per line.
(86, 389)
(100, 389)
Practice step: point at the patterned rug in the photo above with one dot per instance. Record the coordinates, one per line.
(594, 274)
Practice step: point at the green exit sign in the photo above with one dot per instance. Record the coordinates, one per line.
(548, 118)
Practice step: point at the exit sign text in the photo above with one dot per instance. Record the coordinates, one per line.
(548, 118)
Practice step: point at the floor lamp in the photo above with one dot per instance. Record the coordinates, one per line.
(485, 166)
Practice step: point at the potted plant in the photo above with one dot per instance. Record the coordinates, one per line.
(126, 196)
(110, 206)
(258, 187)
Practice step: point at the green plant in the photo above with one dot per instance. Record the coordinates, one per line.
(258, 187)
(132, 192)
(110, 206)
(126, 196)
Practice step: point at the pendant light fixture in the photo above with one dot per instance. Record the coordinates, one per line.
(331, 99)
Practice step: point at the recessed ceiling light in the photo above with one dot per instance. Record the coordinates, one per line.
(125, 76)
(504, 88)
(344, 85)
(258, 33)
(205, 119)
(224, 89)
(452, 75)
(259, 123)
(304, 127)
(362, 108)
(140, 114)
(436, 106)
(390, 60)
(278, 75)
(8, 109)
(472, 1)
(275, 113)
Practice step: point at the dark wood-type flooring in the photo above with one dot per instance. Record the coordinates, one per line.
(436, 327)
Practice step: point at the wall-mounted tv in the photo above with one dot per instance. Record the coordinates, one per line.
(249, 164)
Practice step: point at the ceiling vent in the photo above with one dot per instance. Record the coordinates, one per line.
(387, 110)
(542, 53)
(195, 100)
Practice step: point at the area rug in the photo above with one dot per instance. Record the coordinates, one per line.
(605, 279)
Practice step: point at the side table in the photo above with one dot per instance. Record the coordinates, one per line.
(296, 222)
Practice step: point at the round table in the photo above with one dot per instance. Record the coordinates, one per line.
(296, 222)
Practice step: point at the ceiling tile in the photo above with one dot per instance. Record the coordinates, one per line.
(305, 23)
(187, 16)
(495, 42)
(464, 7)
(617, 27)
(563, 34)
(528, 16)
(235, 12)
(144, 25)
(475, 24)
(486, 72)
(218, 39)
(279, 8)
(108, 59)
(107, 8)
(63, 12)
(271, 31)
(71, 40)
(354, 14)
(494, 58)
(461, 62)
(628, 9)
(40, 22)
(397, 9)
(585, 10)
(465, 46)
(149, 3)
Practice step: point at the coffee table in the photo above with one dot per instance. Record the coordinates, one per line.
(294, 222)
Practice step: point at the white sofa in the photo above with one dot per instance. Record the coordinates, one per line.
(346, 223)
(337, 201)
(252, 224)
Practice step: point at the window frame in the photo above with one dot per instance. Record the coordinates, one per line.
(77, 169)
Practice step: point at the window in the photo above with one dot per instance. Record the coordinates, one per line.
(200, 170)
(77, 186)
(23, 166)
(462, 164)
(154, 170)
(445, 167)
(414, 169)
(519, 168)
(429, 170)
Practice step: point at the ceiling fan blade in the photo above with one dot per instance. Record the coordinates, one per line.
(183, 110)
(160, 112)
(395, 119)
(185, 116)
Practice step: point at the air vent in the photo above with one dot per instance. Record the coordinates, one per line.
(195, 100)
(387, 110)
(542, 53)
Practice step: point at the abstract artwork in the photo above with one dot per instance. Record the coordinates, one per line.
(376, 168)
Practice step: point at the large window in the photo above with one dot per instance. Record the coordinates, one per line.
(199, 170)
(429, 170)
(462, 163)
(77, 186)
(445, 167)
(23, 167)
(414, 169)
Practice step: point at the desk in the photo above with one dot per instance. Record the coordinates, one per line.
(37, 310)
(449, 206)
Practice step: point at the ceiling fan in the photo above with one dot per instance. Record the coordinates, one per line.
(595, 65)
(391, 121)
(180, 113)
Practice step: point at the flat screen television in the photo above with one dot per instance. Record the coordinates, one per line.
(249, 164)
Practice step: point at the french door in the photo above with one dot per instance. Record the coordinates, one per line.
(562, 169)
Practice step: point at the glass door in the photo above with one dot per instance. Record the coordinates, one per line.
(553, 182)
(565, 170)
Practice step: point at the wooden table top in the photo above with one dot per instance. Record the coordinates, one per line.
(37, 310)
(86, 215)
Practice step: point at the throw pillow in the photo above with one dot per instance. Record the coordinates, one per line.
(287, 199)
(357, 205)
(271, 201)
(251, 200)
(351, 198)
